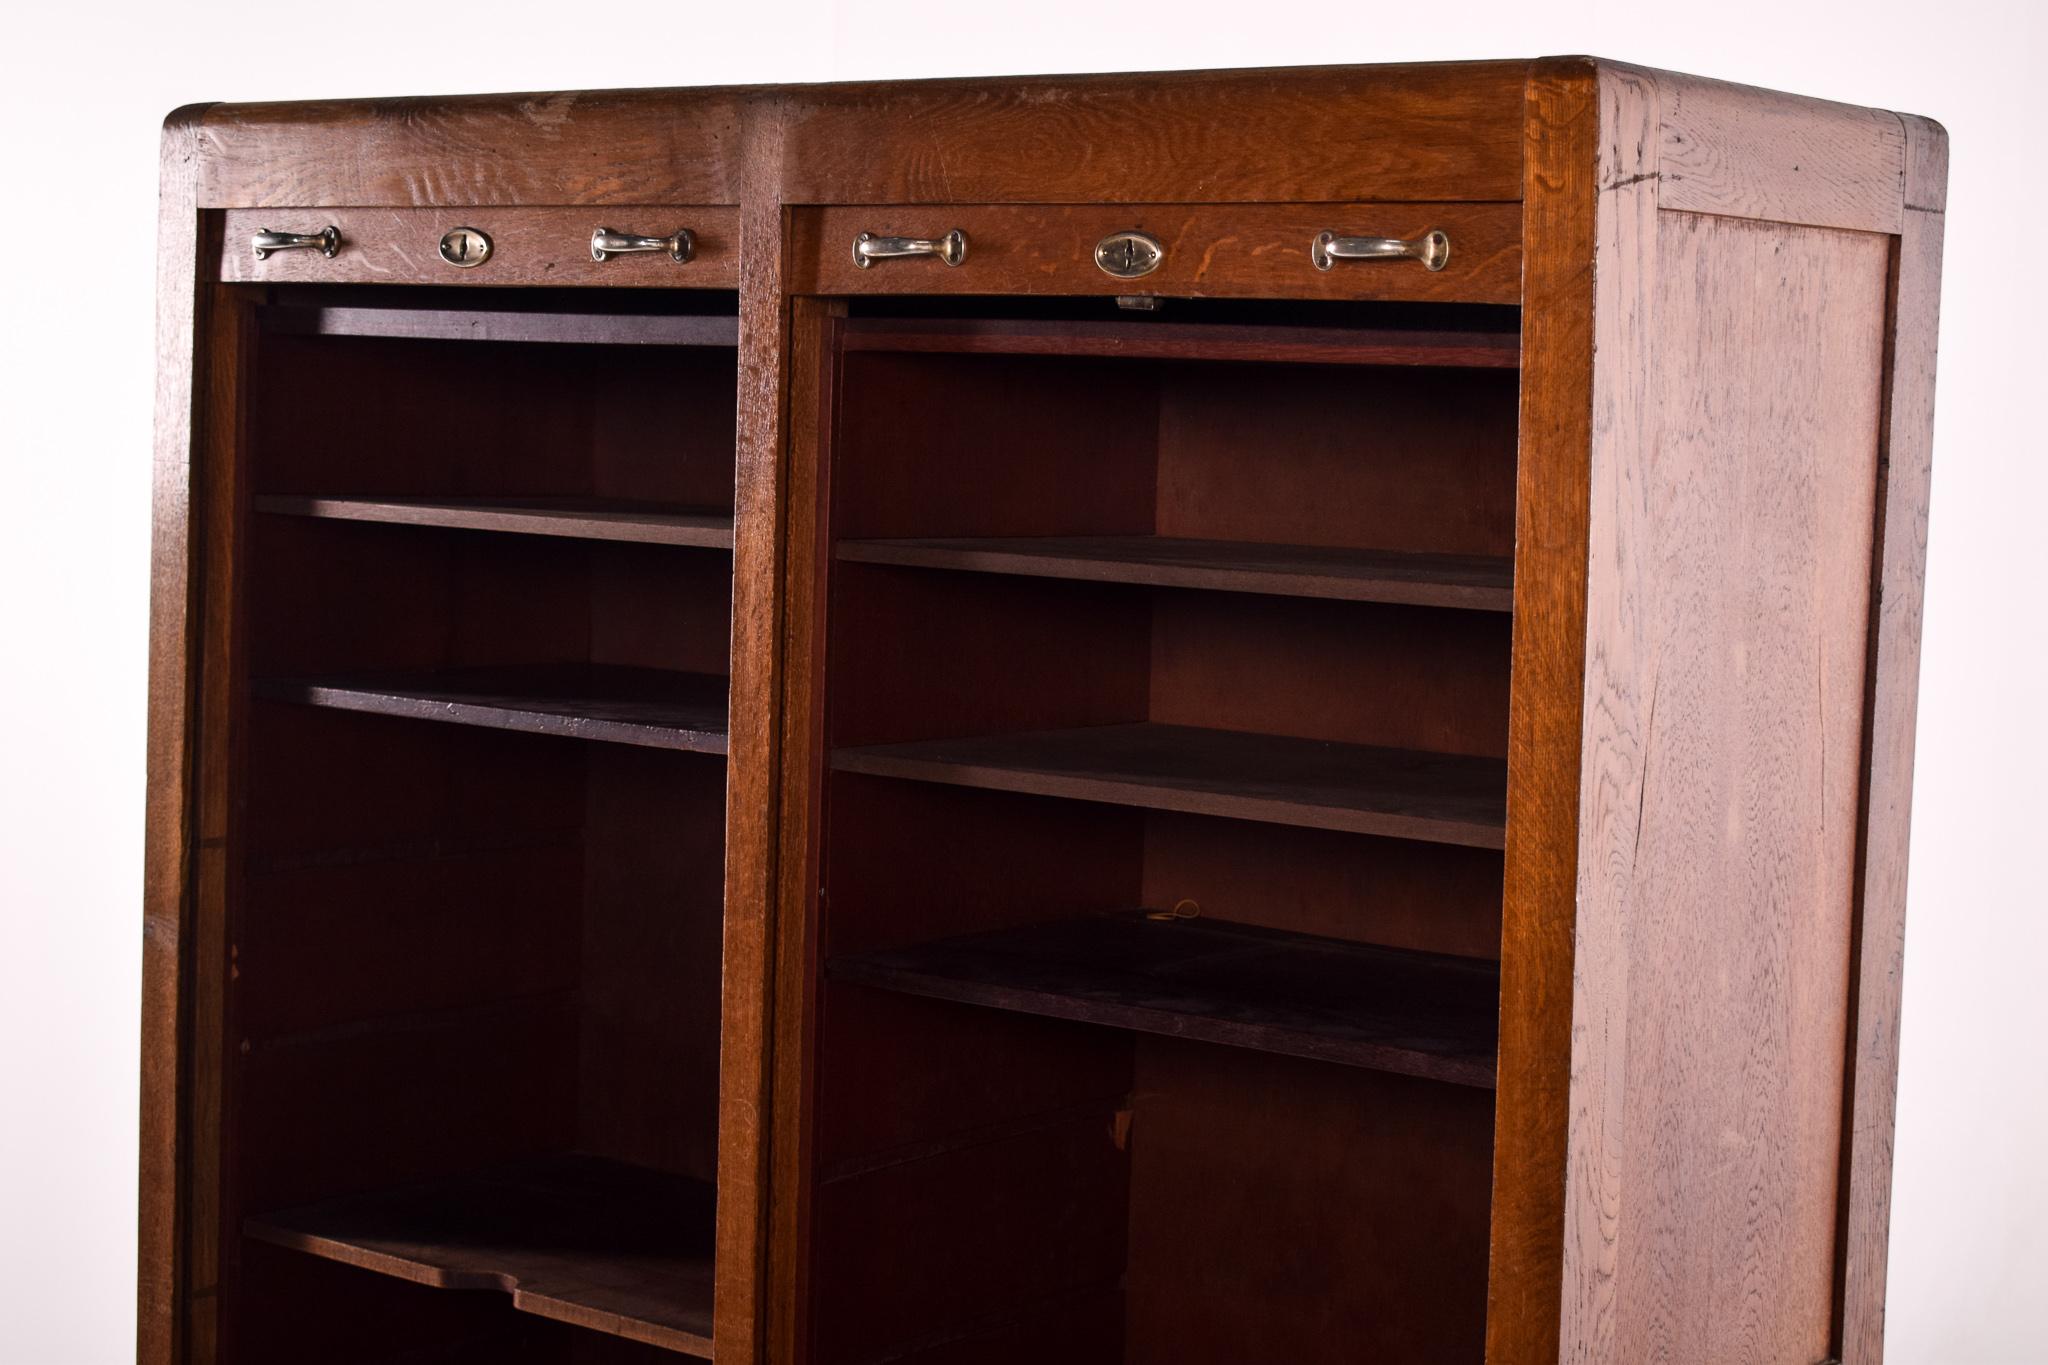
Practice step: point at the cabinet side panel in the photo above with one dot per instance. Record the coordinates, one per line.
(1736, 544)
(167, 842)
(1894, 693)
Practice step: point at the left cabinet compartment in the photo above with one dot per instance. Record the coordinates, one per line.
(471, 583)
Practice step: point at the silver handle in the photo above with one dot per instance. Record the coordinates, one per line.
(327, 241)
(868, 248)
(680, 247)
(1432, 248)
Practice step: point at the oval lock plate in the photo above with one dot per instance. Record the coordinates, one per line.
(465, 247)
(1127, 255)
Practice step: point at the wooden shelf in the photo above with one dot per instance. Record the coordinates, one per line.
(1466, 581)
(579, 1239)
(576, 518)
(462, 324)
(1419, 1014)
(644, 706)
(1188, 341)
(1440, 798)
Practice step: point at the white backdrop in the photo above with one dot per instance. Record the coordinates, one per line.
(84, 89)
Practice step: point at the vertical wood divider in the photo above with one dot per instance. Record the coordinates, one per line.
(750, 852)
(222, 484)
(1559, 233)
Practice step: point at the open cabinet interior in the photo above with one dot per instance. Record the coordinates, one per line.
(474, 1006)
(1165, 711)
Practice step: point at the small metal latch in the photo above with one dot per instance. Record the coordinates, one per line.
(466, 247)
(1127, 255)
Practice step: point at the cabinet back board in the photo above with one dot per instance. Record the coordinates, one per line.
(1544, 625)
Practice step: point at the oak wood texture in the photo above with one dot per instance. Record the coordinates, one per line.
(1171, 561)
(593, 148)
(1905, 455)
(609, 703)
(1562, 204)
(1217, 590)
(1176, 341)
(582, 1240)
(1440, 798)
(1211, 981)
(1211, 251)
(1608, 1160)
(529, 246)
(572, 518)
(449, 324)
(751, 970)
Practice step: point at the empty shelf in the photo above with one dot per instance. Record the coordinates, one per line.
(579, 1239)
(650, 707)
(465, 324)
(1419, 1014)
(1440, 798)
(1468, 581)
(582, 519)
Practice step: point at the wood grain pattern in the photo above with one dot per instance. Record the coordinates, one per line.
(573, 518)
(1211, 251)
(596, 1243)
(1566, 132)
(754, 765)
(1441, 798)
(1458, 581)
(1622, 428)
(593, 148)
(1899, 569)
(1309, 135)
(1211, 981)
(1742, 152)
(1742, 562)
(529, 246)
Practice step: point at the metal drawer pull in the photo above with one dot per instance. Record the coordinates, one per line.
(327, 241)
(1432, 248)
(868, 248)
(680, 247)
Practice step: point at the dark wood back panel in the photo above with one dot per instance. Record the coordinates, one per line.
(1360, 673)
(648, 1032)
(1285, 1210)
(1390, 459)
(400, 417)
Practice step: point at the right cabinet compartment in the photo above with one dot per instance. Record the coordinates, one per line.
(1160, 703)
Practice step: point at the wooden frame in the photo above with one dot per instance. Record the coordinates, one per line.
(1591, 182)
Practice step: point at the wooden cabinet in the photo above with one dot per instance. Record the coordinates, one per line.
(1122, 786)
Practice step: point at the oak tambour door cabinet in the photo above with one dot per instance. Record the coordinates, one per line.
(1225, 717)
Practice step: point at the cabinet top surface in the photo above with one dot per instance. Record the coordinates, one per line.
(1435, 131)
